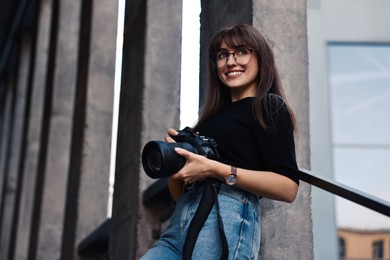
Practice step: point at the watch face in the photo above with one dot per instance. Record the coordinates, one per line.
(231, 179)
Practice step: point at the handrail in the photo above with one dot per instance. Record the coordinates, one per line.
(349, 193)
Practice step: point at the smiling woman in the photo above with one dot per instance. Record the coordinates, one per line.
(217, 214)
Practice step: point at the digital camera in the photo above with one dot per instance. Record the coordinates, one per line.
(160, 160)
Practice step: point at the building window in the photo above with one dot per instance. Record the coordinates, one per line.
(342, 248)
(360, 107)
(377, 252)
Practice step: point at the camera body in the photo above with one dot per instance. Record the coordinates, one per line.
(160, 160)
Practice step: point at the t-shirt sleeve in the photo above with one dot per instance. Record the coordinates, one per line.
(277, 146)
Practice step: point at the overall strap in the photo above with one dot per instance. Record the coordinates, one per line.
(209, 197)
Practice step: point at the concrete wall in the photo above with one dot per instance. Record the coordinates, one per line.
(284, 24)
(56, 129)
(58, 156)
(99, 98)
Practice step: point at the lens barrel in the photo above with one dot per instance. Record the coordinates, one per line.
(160, 160)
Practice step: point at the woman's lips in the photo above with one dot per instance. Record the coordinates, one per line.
(234, 73)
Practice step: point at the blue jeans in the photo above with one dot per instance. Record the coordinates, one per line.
(240, 212)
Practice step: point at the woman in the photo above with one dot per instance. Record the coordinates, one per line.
(246, 113)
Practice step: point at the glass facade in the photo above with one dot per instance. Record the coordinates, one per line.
(360, 124)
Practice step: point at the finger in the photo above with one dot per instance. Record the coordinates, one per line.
(183, 152)
(172, 132)
(169, 139)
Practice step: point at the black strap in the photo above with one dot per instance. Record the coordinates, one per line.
(209, 197)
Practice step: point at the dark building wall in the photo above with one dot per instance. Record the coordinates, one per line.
(56, 127)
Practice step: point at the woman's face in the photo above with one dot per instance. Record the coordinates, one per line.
(240, 79)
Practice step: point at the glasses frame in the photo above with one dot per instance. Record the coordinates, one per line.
(213, 57)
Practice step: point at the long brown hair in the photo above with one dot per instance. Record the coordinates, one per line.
(268, 80)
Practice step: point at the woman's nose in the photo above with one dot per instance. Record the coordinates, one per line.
(231, 59)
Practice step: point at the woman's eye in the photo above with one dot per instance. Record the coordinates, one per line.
(241, 51)
(222, 55)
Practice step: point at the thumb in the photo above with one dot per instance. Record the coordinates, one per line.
(182, 152)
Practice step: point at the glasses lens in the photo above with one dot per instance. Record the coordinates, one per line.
(242, 56)
(218, 59)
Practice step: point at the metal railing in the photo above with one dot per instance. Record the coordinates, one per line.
(346, 192)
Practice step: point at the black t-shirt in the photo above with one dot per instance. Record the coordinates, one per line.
(242, 141)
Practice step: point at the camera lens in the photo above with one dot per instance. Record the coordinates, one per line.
(159, 159)
(154, 160)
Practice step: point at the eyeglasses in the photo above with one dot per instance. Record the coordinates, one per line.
(242, 56)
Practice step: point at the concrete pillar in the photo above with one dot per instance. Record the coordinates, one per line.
(10, 193)
(161, 109)
(6, 133)
(49, 236)
(7, 122)
(149, 104)
(124, 218)
(35, 128)
(94, 176)
(287, 229)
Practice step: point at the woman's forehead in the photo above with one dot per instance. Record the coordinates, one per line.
(225, 46)
(232, 42)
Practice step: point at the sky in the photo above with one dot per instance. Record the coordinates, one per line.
(189, 99)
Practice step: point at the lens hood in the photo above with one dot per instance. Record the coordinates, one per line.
(159, 159)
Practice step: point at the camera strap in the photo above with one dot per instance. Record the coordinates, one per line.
(208, 199)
